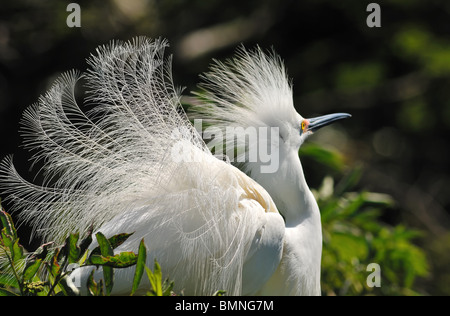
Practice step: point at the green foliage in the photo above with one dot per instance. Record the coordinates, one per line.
(354, 236)
(418, 44)
(158, 287)
(45, 272)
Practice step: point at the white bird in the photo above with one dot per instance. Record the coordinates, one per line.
(134, 163)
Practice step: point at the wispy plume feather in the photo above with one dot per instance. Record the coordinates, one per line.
(112, 167)
(251, 89)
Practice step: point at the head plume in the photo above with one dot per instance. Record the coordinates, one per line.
(254, 83)
(249, 91)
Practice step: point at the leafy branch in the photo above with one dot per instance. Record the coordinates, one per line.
(46, 271)
(355, 236)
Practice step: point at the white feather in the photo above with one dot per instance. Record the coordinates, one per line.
(116, 167)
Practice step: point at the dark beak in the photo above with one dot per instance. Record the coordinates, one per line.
(321, 121)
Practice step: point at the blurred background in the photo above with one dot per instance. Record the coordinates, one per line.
(393, 79)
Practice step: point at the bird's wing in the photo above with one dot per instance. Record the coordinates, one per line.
(134, 163)
(216, 229)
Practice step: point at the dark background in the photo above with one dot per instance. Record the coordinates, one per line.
(394, 80)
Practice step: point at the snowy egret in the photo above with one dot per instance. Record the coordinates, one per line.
(117, 167)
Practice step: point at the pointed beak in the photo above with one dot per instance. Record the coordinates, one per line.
(321, 121)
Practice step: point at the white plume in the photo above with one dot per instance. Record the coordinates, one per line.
(134, 163)
(251, 89)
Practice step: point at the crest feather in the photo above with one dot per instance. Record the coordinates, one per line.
(250, 90)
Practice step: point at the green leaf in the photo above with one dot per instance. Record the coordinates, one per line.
(106, 250)
(140, 265)
(94, 289)
(122, 260)
(31, 269)
(83, 258)
(17, 251)
(155, 279)
(167, 287)
(104, 245)
(55, 268)
(7, 240)
(158, 278)
(5, 292)
(8, 280)
(7, 223)
(73, 251)
(151, 278)
(116, 240)
(84, 244)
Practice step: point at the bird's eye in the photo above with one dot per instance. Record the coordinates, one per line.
(303, 126)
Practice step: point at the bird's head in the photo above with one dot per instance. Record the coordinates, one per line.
(248, 96)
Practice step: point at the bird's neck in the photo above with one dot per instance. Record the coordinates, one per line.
(299, 270)
(289, 190)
